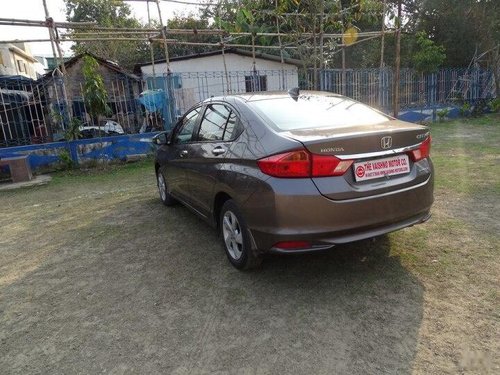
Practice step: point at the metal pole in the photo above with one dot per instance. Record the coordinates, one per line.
(29, 109)
(41, 107)
(6, 114)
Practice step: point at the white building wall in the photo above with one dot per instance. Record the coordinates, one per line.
(16, 61)
(203, 77)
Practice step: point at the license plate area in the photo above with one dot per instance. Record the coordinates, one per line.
(377, 168)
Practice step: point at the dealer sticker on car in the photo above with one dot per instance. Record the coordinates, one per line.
(370, 169)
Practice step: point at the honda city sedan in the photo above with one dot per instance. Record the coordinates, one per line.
(295, 172)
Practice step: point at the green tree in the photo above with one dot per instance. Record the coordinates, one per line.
(295, 18)
(108, 13)
(94, 92)
(190, 22)
(429, 56)
(469, 30)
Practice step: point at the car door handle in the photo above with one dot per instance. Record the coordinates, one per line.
(183, 153)
(218, 151)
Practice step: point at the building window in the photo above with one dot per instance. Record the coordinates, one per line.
(21, 66)
(255, 82)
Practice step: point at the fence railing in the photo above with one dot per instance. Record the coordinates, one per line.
(34, 112)
(183, 90)
(417, 90)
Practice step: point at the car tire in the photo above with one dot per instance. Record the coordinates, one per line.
(165, 196)
(235, 238)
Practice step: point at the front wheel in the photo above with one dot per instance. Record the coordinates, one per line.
(165, 196)
(235, 239)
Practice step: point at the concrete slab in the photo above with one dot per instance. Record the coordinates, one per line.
(37, 180)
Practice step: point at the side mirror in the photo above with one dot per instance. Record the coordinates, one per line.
(162, 138)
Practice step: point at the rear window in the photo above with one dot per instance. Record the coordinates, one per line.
(312, 111)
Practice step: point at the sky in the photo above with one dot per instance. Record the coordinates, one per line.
(33, 10)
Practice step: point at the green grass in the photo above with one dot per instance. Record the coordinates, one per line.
(466, 154)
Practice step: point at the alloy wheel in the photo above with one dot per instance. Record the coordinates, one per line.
(233, 238)
(162, 187)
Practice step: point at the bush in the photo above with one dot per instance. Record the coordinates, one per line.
(480, 107)
(442, 114)
(494, 105)
(66, 161)
(465, 110)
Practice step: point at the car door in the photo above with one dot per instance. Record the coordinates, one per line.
(177, 155)
(217, 128)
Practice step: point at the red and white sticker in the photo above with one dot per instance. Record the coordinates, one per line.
(370, 169)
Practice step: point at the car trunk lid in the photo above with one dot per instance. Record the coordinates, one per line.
(359, 140)
(369, 143)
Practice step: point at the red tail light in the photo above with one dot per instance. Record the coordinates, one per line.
(423, 151)
(301, 163)
(290, 164)
(324, 165)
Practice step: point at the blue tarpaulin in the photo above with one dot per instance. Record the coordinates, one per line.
(156, 101)
(153, 100)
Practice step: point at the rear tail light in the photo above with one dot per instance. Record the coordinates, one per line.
(290, 164)
(323, 166)
(301, 163)
(422, 151)
(292, 245)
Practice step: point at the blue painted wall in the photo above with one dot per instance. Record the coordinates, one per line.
(46, 156)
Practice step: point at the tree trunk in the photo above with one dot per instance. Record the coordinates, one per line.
(395, 103)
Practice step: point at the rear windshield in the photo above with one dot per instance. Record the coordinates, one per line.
(313, 111)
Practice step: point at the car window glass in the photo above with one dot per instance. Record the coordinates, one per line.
(313, 111)
(214, 122)
(185, 132)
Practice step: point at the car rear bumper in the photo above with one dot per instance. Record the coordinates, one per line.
(327, 243)
(324, 223)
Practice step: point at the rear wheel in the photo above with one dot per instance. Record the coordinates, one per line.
(235, 238)
(165, 196)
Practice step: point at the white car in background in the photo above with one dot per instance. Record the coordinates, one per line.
(105, 129)
(111, 126)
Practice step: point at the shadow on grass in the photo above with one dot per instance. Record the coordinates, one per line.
(144, 288)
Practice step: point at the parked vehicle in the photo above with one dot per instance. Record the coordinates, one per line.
(106, 128)
(111, 127)
(100, 131)
(295, 172)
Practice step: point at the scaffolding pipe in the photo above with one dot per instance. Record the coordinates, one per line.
(92, 26)
(151, 50)
(126, 104)
(164, 35)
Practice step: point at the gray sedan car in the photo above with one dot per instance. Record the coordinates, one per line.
(295, 172)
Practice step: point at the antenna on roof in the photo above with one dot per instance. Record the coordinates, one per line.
(294, 93)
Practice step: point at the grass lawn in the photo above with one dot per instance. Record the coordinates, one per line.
(97, 276)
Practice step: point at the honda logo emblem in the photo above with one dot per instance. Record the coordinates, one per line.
(386, 142)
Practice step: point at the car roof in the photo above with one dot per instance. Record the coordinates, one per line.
(267, 95)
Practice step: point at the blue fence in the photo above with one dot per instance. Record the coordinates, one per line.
(50, 156)
(417, 90)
